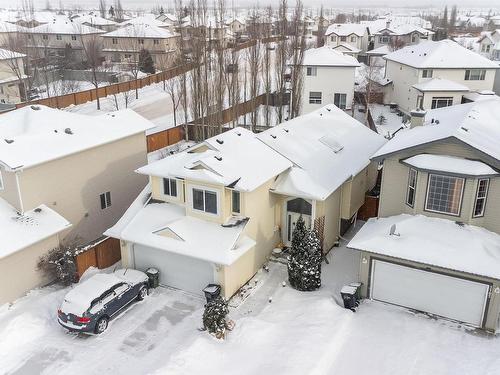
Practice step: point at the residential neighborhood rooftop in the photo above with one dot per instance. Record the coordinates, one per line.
(64, 27)
(140, 31)
(439, 84)
(450, 164)
(327, 56)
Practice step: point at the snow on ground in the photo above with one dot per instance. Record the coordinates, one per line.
(296, 333)
(392, 121)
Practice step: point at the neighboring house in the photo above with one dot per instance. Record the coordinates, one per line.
(237, 26)
(25, 238)
(490, 45)
(328, 77)
(435, 74)
(96, 22)
(217, 210)
(354, 35)
(122, 46)
(58, 38)
(78, 165)
(436, 245)
(400, 35)
(12, 36)
(12, 77)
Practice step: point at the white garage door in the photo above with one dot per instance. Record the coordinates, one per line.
(446, 296)
(178, 271)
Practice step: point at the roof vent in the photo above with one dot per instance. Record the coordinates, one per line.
(68, 131)
(286, 130)
(219, 141)
(9, 141)
(464, 129)
(328, 109)
(272, 135)
(392, 231)
(437, 122)
(35, 108)
(219, 158)
(238, 134)
(38, 210)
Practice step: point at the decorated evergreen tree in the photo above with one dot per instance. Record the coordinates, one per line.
(146, 64)
(214, 317)
(304, 262)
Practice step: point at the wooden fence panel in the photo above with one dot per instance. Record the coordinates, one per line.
(108, 252)
(85, 260)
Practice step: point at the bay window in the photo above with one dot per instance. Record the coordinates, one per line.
(444, 194)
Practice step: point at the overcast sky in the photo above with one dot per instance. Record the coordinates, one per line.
(146, 4)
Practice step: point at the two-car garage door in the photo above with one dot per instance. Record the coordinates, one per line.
(435, 293)
(177, 271)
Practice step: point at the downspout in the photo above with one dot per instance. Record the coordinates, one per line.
(21, 205)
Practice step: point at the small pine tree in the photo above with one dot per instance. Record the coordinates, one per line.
(59, 264)
(381, 120)
(214, 317)
(146, 64)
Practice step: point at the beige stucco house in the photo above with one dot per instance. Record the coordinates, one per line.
(436, 244)
(214, 212)
(12, 76)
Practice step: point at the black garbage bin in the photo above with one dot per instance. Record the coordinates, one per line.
(212, 291)
(154, 277)
(348, 294)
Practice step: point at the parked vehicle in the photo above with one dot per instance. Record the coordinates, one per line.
(90, 305)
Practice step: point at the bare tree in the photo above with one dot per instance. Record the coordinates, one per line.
(17, 60)
(281, 58)
(320, 38)
(254, 62)
(118, 11)
(298, 46)
(102, 8)
(92, 49)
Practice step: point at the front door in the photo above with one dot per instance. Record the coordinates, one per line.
(294, 209)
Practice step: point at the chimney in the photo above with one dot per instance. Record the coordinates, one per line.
(417, 118)
(387, 24)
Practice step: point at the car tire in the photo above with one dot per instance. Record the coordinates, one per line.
(101, 325)
(143, 292)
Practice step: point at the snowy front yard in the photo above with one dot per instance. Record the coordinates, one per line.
(296, 333)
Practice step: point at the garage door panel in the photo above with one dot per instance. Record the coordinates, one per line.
(443, 295)
(177, 271)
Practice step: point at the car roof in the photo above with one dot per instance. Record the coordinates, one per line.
(88, 290)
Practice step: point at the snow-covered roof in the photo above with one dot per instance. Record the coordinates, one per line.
(344, 47)
(37, 134)
(94, 20)
(432, 241)
(235, 158)
(443, 54)
(7, 55)
(327, 56)
(149, 20)
(402, 29)
(476, 124)
(380, 51)
(64, 27)
(450, 164)
(327, 147)
(165, 226)
(345, 29)
(19, 231)
(439, 84)
(140, 31)
(7, 27)
(475, 96)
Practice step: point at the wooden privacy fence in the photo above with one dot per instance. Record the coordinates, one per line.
(102, 254)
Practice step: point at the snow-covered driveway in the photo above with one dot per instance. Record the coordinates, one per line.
(295, 333)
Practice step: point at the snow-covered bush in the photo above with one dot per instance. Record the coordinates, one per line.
(214, 317)
(59, 264)
(304, 262)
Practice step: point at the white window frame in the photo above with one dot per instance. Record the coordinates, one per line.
(170, 182)
(73, 37)
(333, 38)
(311, 71)
(204, 190)
(428, 190)
(107, 200)
(140, 41)
(353, 38)
(233, 192)
(427, 73)
(411, 187)
(436, 99)
(340, 95)
(383, 39)
(114, 40)
(1, 181)
(483, 198)
(58, 37)
(475, 74)
(156, 42)
(314, 98)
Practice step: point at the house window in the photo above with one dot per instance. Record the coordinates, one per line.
(58, 37)
(481, 193)
(114, 41)
(444, 194)
(45, 37)
(73, 37)
(205, 200)
(412, 186)
(441, 102)
(475, 74)
(312, 71)
(340, 100)
(156, 41)
(333, 38)
(413, 38)
(485, 48)
(170, 187)
(1, 181)
(427, 73)
(383, 39)
(235, 197)
(105, 200)
(128, 55)
(353, 38)
(315, 97)
(141, 41)
(343, 38)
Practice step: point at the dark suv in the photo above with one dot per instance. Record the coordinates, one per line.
(90, 305)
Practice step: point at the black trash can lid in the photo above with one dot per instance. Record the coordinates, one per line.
(152, 270)
(211, 288)
(348, 289)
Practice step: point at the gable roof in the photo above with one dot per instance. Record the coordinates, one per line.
(327, 147)
(438, 84)
(476, 124)
(33, 135)
(346, 29)
(140, 31)
(64, 27)
(327, 56)
(234, 158)
(443, 54)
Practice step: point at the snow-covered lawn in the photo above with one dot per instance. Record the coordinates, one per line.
(295, 333)
(390, 123)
